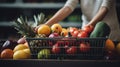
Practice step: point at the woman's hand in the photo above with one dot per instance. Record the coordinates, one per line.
(88, 28)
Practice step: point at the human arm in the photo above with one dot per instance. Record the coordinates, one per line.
(102, 12)
(63, 12)
(60, 15)
(99, 16)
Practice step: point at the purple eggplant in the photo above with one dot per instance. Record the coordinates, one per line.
(9, 44)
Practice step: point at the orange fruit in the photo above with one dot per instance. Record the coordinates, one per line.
(118, 48)
(44, 29)
(56, 28)
(7, 54)
(109, 45)
(20, 47)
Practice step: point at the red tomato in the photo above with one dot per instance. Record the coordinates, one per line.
(82, 34)
(71, 50)
(84, 47)
(88, 29)
(75, 33)
(72, 29)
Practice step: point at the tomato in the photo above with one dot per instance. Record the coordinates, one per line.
(72, 29)
(82, 34)
(84, 47)
(88, 29)
(71, 50)
(75, 33)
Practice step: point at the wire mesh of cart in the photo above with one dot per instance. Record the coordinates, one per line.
(67, 48)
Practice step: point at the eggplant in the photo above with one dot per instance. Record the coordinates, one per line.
(1, 43)
(10, 44)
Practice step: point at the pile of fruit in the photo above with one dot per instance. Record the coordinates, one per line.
(46, 42)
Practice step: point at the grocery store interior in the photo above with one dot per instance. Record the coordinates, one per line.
(10, 10)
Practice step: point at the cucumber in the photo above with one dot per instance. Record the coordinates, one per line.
(101, 30)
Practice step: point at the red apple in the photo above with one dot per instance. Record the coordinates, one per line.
(52, 35)
(21, 40)
(56, 49)
(71, 50)
(84, 47)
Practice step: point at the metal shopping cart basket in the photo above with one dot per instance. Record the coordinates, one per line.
(68, 48)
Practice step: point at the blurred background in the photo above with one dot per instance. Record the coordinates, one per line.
(10, 10)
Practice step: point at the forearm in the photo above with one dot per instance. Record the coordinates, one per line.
(99, 16)
(60, 15)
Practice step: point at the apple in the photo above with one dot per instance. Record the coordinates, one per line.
(84, 47)
(7, 54)
(56, 49)
(21, 40)
(71, 50)
(56, 28)
(44, 54)
(52, 35)
(69, 41)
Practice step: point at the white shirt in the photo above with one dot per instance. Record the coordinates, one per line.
(89, 9)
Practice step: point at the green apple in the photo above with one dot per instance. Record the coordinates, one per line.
(44, 54)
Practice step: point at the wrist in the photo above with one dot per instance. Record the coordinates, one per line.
(92, 23)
